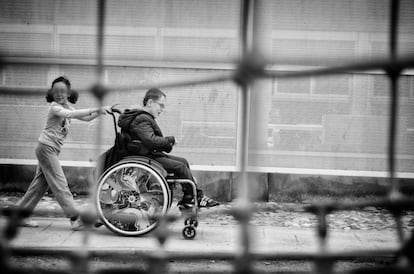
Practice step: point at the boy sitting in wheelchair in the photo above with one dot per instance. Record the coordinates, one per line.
(146, 139)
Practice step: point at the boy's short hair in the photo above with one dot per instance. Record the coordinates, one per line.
(154, 94)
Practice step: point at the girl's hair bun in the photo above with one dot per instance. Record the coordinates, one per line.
(73, 97)
(49, 96)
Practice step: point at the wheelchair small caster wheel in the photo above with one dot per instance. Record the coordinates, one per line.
(191, 222)
(189, 232)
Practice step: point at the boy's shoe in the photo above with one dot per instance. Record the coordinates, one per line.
(203, 201)
(29, 223)
(77, 224)
(207, 202)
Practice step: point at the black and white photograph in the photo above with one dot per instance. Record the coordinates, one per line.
(206, 136)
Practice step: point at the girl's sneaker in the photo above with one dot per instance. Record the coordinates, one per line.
(98, 224)
(76, 224)
(29, 223)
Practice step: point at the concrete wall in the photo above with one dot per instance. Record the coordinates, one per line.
(224, 185)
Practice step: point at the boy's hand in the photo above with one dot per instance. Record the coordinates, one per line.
(171, 140)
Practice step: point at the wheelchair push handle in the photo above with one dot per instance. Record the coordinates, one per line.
(113, 110)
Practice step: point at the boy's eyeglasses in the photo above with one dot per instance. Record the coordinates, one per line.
(160, 104)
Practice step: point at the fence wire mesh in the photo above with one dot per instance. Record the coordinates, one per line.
(251, 68)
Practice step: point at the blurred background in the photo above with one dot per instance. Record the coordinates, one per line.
(325, 125)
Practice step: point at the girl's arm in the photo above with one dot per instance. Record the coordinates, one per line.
(95, 114)
(89, 117)
(60, 111)
(81, 114)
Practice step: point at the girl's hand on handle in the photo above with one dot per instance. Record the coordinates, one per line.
(105, 109)
(109, 108)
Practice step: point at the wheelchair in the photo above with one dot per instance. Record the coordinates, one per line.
(133, 194)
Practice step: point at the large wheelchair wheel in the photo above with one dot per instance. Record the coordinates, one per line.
(130, 196)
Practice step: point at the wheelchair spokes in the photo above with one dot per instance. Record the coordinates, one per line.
(130, 196)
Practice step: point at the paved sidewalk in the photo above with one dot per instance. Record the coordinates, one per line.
(55, 233)
(274, 229)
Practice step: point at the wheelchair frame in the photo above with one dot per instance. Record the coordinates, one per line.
(123, 188)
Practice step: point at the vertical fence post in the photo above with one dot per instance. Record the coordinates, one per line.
(80, 263)
(243, 260)
(394, 73)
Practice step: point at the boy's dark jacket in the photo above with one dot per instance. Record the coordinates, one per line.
(144, 133)
(140, 135)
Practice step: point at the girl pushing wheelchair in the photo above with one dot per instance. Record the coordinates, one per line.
(138, 187)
